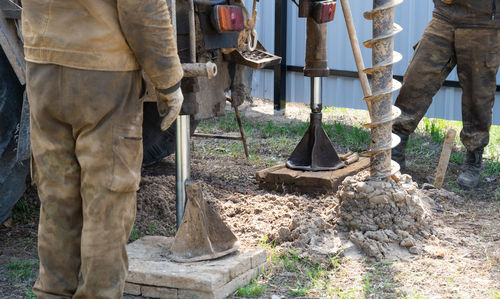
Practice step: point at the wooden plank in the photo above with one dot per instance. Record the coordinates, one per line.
(283, 179)
(12, 47)
(445, 158)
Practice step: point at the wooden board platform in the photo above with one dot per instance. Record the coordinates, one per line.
(282, 179)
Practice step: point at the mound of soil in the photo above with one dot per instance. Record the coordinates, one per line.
(382, 214)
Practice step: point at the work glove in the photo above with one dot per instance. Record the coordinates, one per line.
(169, 106)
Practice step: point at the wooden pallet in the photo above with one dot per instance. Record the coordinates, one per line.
(282, 179)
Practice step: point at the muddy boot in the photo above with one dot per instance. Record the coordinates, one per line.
(398, 153)
(469, 178)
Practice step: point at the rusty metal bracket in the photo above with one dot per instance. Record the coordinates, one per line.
(257, 59)
(241, 138)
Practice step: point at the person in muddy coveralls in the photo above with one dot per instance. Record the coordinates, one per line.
(84, 86)
(464, 33)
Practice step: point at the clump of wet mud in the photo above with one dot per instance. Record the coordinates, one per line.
(384, 216)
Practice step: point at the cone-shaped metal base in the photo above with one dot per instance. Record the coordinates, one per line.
(202, 234)
(315, 151)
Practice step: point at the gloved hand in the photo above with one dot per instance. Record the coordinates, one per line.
(169, 106)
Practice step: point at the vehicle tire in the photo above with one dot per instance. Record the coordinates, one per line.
(12, 173)
(158, 144)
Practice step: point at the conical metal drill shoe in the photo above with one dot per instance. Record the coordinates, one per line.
(315, 151)
(202, 234)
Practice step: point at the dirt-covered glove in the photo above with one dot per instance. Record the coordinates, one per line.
(169, 106)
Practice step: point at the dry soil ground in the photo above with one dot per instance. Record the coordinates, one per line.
(309, 258)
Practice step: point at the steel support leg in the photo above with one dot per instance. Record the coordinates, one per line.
(315, 151)
(182, 162)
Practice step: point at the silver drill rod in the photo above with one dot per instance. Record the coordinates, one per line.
(182, 154)
(316, 100)
(182, 163)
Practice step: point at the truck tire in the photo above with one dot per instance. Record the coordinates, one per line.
(12, 172)
(158, 144)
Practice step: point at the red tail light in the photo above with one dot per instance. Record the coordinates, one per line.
(228, 18)
(324, 11)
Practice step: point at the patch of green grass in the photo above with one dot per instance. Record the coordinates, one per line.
(355, 138)
(270, 129)
(28, 293)
(298, 290)
(290, 261)
(22, 211)
(457, 157)
(22, 270)
(135, 234)
(436, 129)
(456, 188)
(492, 168)
(252, 290)
(367, 286)
(328, 110)
(152, 228)
(496, 193)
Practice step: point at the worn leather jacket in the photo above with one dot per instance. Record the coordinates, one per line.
(105, 35)
(469, 13)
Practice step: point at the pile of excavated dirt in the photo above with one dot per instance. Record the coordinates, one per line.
(384, 216)
(303, 223)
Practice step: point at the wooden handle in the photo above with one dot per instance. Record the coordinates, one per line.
(356, 51)
(445, 158)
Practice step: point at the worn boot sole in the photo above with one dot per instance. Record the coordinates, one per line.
(465, 182)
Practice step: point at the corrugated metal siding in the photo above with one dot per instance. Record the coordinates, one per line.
(412, 15)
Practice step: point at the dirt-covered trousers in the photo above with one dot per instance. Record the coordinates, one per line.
(87, 152)
(476, 53)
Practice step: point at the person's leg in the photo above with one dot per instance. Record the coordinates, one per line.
(56, 173)
(433, 60)
(108, 134)
(478, 58)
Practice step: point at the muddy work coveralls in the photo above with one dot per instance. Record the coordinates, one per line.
(462, 33)
(84, 83)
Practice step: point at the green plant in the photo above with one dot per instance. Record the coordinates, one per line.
(290, 261)
(254, 289)
(354, 138)
(22, 211)
(334, 261)
(496, 193)
(28, 293)
(22, 270)
(492, 168)
(299, 290)
(134, 235)
(457, 157)
(152, 228)
(367, 287)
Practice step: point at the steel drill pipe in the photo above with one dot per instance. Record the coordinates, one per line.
(208, 69)
(382, 113)
(316, 61)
